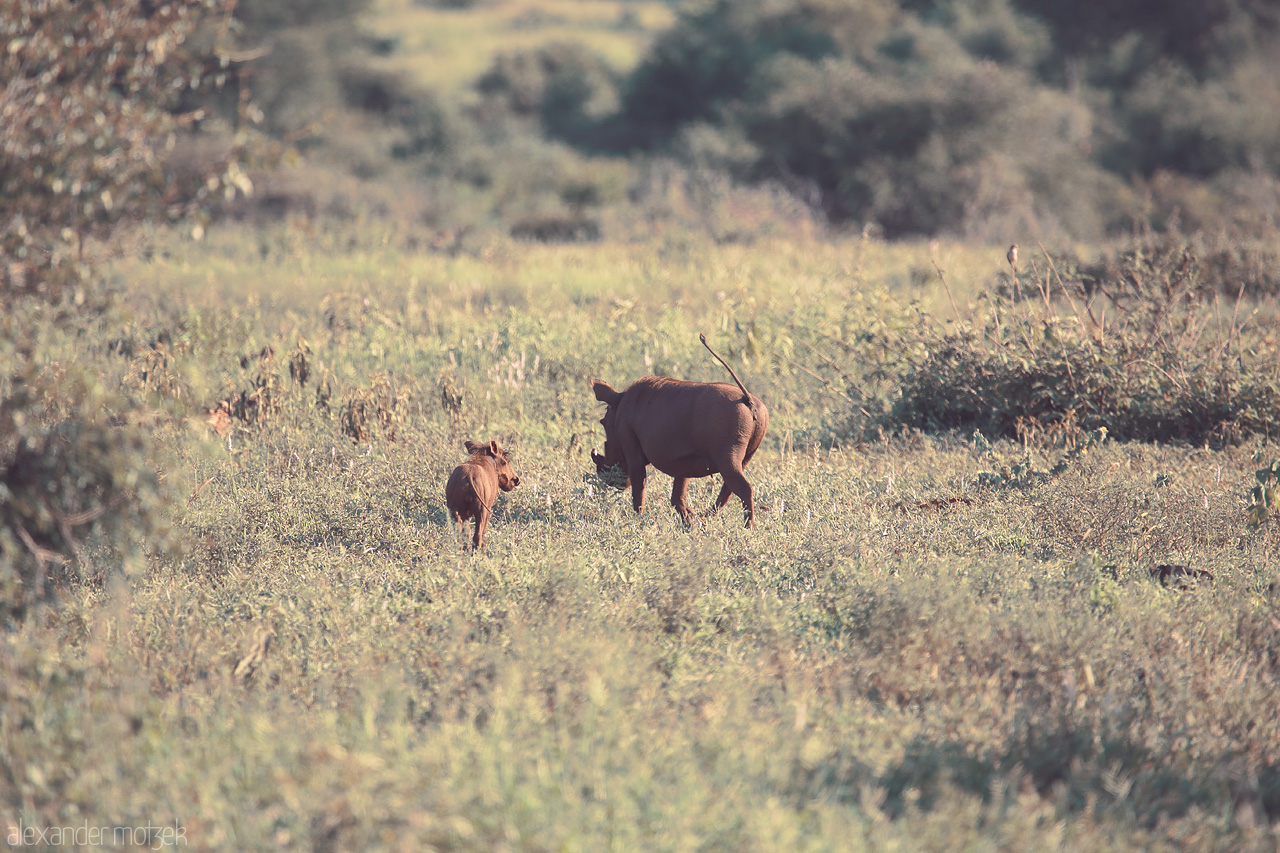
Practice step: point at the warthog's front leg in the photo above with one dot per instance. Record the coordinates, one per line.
(637, 475)
(680, 498)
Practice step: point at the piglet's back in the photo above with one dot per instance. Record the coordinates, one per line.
(472, 486)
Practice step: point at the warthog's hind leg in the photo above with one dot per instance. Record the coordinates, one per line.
(735, 483)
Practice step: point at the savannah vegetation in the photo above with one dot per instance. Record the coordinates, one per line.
(287, 257)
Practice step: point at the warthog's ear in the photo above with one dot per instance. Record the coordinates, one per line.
(493, 447)
(604, 392)
(472, 447)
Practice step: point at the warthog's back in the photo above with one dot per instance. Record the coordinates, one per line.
(471, 486)
(686, 429)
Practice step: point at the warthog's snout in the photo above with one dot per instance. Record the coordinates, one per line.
(610, 472)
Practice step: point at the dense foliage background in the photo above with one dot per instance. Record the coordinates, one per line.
(981, 119)
(964, 117)
(973, 118)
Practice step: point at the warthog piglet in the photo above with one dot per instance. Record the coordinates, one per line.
(473, 487)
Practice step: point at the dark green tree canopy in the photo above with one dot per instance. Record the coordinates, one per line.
(974, 117)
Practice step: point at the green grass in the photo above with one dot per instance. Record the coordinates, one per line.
(896, 658)
(448, 49)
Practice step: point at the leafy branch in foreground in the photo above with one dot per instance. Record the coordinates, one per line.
(1264, 498)
(1021, 473)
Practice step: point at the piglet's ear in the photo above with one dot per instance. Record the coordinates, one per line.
(605, 392)
(493, 447)
(472, 447)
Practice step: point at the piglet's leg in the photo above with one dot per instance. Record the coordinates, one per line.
(462, 525)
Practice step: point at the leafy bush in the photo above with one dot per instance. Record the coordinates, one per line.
(711, 57)
(1060, 381)
(80, 468)
(953, 153)
(1264, 498)
(1203, 266)
(88, 108)
(1140, 356)
(568, 89)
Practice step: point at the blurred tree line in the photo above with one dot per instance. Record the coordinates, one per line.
(978, 117)
(973, 118)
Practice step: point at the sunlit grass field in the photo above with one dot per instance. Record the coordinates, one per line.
(448, 49)
(899, 656)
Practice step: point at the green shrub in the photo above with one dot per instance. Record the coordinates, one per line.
(1140, 355)
(1060, 381)
(1264, 498)
(950, 153)
(83, 491)
(1202, 265)
(568, 89)
(711, 57)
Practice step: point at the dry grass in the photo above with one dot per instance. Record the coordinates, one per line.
(897, 656)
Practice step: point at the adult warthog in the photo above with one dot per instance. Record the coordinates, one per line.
(683, 429)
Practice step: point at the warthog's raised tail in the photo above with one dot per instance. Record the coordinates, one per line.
(736, 380)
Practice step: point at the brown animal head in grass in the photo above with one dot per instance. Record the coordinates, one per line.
(498, 458)
(612, 464)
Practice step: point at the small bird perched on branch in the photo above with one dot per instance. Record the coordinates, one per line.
(1012, 257)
